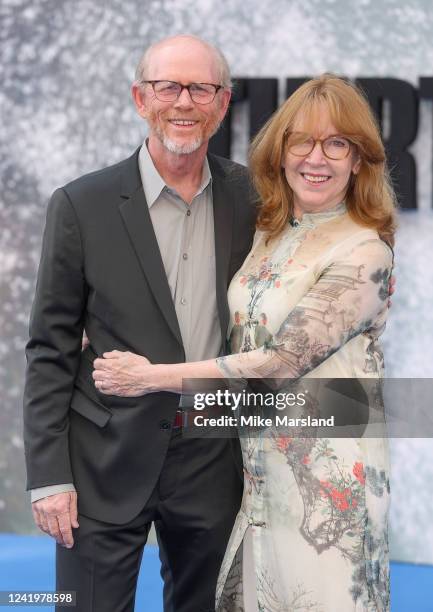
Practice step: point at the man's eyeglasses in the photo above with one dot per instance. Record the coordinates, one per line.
(333, 147)
(169, 91)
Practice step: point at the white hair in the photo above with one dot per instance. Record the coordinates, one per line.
(224, 70)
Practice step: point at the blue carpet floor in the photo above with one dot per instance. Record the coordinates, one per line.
(27, 563)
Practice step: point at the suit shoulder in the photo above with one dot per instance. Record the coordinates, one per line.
(237, 179)
(97, 182)
(228, 167)
(228, 163)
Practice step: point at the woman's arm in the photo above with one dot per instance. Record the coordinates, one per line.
(350, 297)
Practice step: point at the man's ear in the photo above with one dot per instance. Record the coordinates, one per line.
(139, 98)
(225, 101)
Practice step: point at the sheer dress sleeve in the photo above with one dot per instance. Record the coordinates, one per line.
(349, 297)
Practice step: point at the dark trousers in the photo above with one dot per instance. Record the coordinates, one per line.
(193, 506)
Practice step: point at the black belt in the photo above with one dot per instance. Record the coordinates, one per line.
(185, 418)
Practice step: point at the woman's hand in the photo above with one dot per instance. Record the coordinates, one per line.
(392, 282)
(124, 374)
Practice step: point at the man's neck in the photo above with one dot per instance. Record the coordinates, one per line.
(181, 172)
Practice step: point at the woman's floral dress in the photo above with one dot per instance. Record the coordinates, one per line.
(311, 303)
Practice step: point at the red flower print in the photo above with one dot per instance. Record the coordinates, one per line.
(343, 505)
(358, 472)
(306, 460)
(277, 283)
(243, 280)
(339, 499)
(283, 443)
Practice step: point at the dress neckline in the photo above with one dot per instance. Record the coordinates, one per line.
(312, 219)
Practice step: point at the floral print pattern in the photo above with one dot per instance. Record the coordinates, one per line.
(311, 304)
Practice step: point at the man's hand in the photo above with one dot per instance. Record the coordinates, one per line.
(84, 341)
(391, 289)
(56, 515)
(123, 373)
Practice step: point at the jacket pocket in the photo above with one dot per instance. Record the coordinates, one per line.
(90, 408)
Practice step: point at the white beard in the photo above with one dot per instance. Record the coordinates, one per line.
(186, 148)
(180, 149)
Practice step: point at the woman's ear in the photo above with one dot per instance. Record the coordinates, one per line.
(356, 163)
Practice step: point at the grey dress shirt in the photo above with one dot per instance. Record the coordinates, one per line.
(186, 240)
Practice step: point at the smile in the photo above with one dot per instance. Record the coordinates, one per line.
(315, 179)
(182, 122)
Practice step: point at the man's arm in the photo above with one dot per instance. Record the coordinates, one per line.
(53, 353)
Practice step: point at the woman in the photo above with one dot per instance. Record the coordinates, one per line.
(312, 299)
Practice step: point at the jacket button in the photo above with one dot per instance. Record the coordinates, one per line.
(164, 424)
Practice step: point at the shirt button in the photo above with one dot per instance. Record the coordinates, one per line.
(188, 212)
(250, 521)
(185, 256)
(164, 424)
(183, 301)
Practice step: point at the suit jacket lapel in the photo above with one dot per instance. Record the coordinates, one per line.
(136, 217)
(223, 226)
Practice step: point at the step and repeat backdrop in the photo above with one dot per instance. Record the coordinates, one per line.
(65, 101)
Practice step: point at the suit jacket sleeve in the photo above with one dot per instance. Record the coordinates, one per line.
(53, 350)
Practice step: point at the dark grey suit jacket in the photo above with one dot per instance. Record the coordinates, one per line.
(101, 269)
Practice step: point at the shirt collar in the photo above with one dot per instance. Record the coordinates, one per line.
(152, 181)
(154, 184)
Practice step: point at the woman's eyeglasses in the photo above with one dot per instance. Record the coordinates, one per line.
(333, 147)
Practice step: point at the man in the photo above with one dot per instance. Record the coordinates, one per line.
(140, 254)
